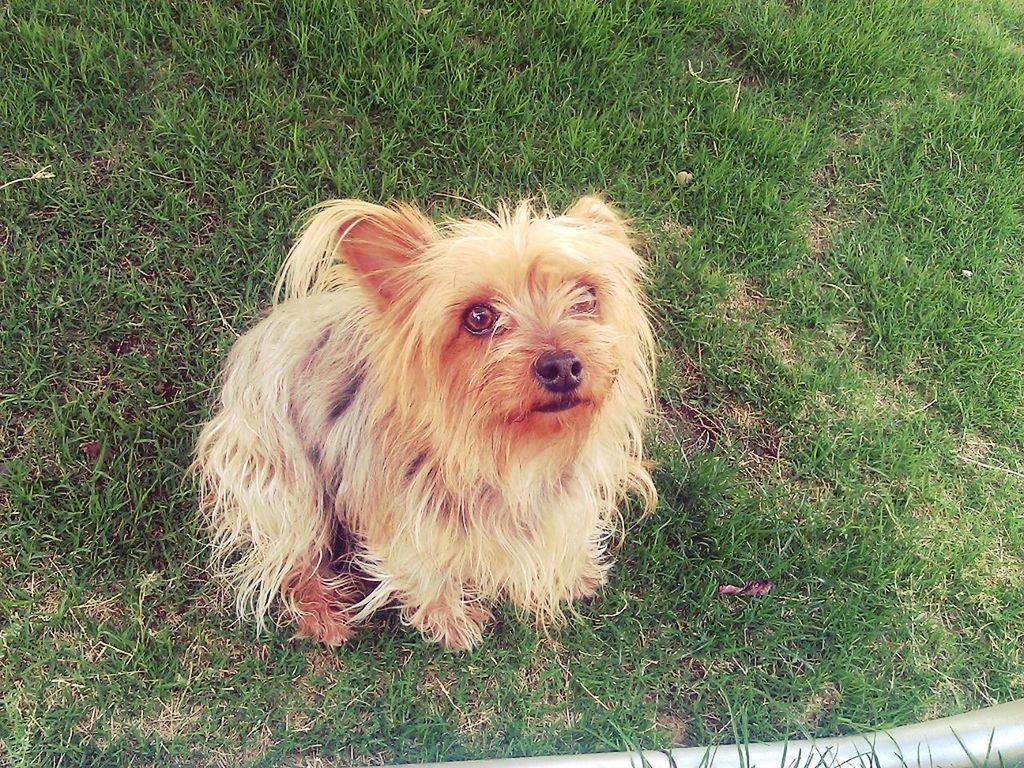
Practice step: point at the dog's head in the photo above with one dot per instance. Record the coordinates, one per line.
(510, 333)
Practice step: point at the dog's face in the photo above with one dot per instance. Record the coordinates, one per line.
(521, 325)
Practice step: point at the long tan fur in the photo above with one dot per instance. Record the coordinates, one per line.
(367, 449)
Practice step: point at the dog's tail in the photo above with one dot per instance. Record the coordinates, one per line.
(341, 235)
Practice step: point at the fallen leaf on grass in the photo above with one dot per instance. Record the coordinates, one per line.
(752, 588)
(91, 449)
(165, 390)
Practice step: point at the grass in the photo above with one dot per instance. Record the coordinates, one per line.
(839, 294)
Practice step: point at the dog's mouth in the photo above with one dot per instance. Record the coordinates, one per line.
(561, 404)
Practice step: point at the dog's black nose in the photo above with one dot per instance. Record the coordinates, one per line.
(559, 372)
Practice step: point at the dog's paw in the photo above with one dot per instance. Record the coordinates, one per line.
(458, 628)
(326, 621)
(589, 583)
(329, 627)
(321, 613)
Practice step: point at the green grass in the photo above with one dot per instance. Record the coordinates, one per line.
(839, 295)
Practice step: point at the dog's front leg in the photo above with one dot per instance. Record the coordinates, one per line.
(433, 597)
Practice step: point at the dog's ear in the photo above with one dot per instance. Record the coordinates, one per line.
(376, 243)
(593, 210)
(379, 244)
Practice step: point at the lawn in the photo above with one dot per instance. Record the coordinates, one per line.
(838, 288)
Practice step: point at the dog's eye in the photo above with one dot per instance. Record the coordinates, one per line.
(586, 305)
(480, 319)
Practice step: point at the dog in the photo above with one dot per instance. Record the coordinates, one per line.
(434, 417)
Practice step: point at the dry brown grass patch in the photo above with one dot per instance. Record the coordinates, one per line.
(819, 704)
(744, 302)
(470, 717)
(697, 425)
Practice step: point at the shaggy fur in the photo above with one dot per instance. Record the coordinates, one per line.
(368, 448)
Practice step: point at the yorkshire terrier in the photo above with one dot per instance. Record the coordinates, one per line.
(436, 416)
